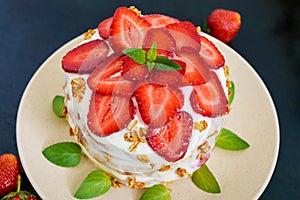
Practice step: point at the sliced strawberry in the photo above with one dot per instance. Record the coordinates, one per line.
(158, 20)
(107, 79)
(185, 34)
(161, 37)
(132, 70)
(209, 99)
(167, 77)
(197, 71)
(104, 28)
(84, 58)
(158, 103)
(127, 29)
(171, 141)
(109, 113)
(210, 53)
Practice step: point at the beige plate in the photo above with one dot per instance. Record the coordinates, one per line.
(241, 175)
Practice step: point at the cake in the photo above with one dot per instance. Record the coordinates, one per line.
(138, 120)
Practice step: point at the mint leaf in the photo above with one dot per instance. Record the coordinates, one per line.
(64, 154)
(95, 184)
(156, 192)
(150, 65)
(151, 55)
(138, 55)
(58, 105)
(232, 91)
(205, 180)
(163, 63)
(230, 141)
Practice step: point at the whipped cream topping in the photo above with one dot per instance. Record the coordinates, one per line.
(112, 153)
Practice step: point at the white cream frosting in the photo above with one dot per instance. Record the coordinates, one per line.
(124, 164)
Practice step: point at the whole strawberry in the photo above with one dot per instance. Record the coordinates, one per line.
(9, 171)
(224, 24)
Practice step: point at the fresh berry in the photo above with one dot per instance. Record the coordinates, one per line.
(197, 71)
(158, 20)
(24, 196)
(167, 77)
(185, 34)
(171, 141)
(209, 99)
(107, 79)
(158, 103)
(127, 29)
(210, 53)
(109, 113)
(161, 37)
(84, 58)
(132, 70)
(9, 171)
(224, 24)
(104, 28)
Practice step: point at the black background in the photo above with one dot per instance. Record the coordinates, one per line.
(30, 31)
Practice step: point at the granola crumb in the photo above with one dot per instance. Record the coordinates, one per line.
(134, 146)
(137, 11)
(88, 34)
(201, 126)
(181, 172)
(198, 29)
(107, 157)
(132, 125)
(143, 158)
(78, 88)
(164, 168)
(226, 71)
(117, 184)
(132, 183)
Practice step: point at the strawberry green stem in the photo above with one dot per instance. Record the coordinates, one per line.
(19, 183)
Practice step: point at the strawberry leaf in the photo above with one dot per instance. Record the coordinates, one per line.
(205, 180)
(150, 65)
(157, 192)
(138, 55)
(231, 93)
(151, 55)
(64, 154)
(230, 141)
(58, 105)
(95, 184)
(163, 63)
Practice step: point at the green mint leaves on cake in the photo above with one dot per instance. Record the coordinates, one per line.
(95, 184)
(205, 180)
(150, 58)
(231, 141)
(158, 192)
(64, 154)
(231, 94)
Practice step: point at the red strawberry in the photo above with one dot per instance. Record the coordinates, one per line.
(167, 77)
(127, 29)
(158, 103)
(161, 37)
(104, 28)
(9, 171)
(84, 58)
(132, 70)
(209, 99)
(210, 53)
(224, 24)
(185, 34)
(19, 195)
(197, 71)
(107, 79)
(158, 20)
(109, 113)
(171, 141)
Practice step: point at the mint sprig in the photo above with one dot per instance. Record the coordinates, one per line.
(156, 192)
(204, 179)
(64, 154)
(150, 58)
(94, 185)
(58, 106)
(230, 141)
(231, 94)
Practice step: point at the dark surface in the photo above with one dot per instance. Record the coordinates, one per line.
(30, 31)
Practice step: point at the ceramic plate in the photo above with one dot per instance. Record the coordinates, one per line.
(241, 175)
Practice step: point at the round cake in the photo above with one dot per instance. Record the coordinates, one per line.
(146, 96)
